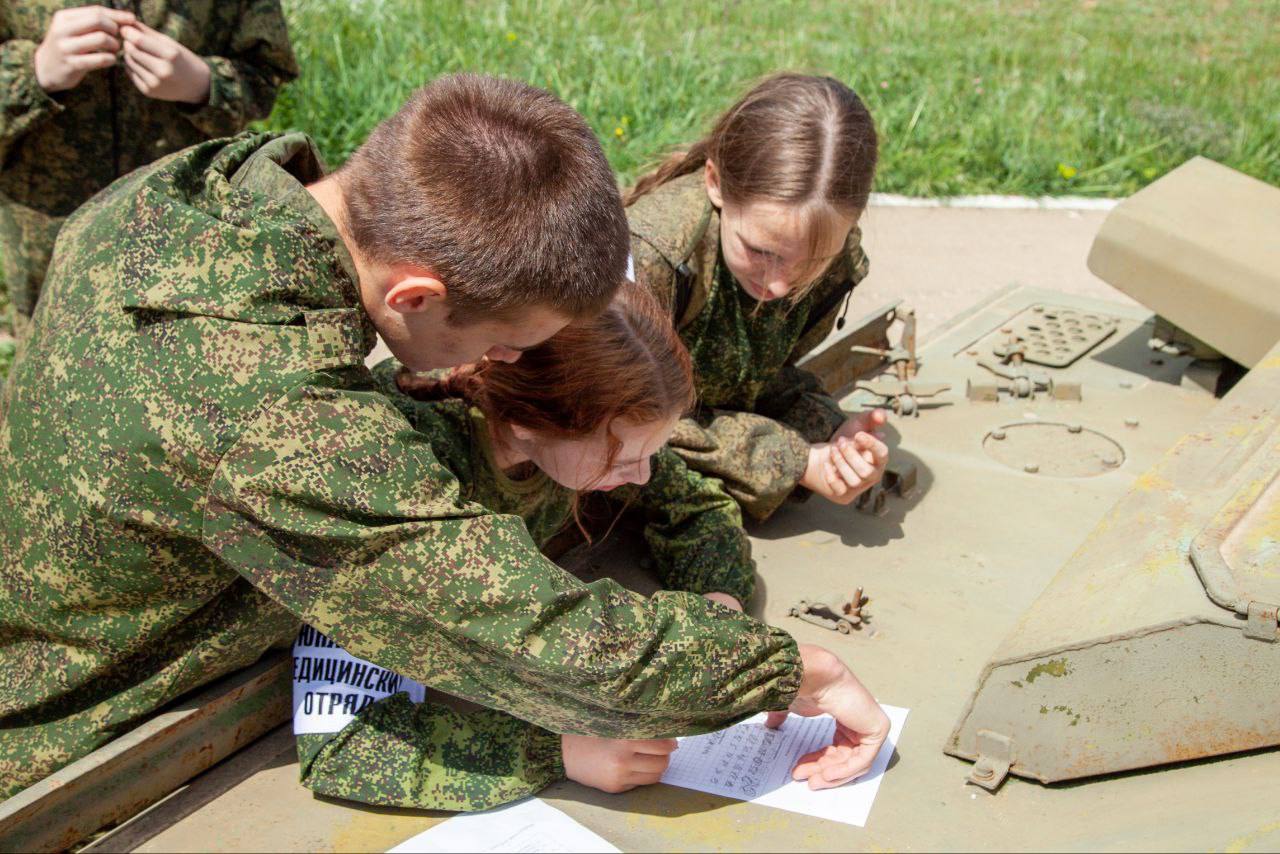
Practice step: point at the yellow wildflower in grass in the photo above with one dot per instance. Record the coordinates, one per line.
(619, 132)
(1066, 171)
(512, 37)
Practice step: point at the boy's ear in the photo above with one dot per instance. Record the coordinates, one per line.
(712, 176)
(413, 291)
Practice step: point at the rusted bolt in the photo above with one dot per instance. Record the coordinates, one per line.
(983, 773)
(998, 435)
(1111, 462)
(1131, 422)
(1008, 330)
(973, 352)
(1074, 428)
(1031, 468)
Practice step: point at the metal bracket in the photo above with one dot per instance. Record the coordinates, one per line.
(995, 758)
(898, 479)
(1262, 622)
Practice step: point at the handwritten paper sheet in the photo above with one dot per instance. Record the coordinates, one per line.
(751, 762)
(531, 825)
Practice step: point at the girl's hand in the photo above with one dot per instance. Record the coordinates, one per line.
(78, 41)
(724, 599)
(828, 687)
(862, 422)
(163, 69)
(843, 469)
(615, 764)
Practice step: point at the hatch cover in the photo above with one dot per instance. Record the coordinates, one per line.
(1053, 450)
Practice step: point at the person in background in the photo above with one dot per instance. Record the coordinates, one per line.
(750, 239)
(90, 93)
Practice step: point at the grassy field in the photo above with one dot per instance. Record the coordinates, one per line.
(1093, 98)
(971, 96)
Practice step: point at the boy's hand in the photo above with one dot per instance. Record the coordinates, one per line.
(78, 41)
(828, 687)
(615, 764)
(843, 469)
(724, 599)
(162, 68)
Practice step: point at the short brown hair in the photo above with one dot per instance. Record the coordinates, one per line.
(497, 187)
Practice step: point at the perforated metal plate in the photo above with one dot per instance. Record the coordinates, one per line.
(1056, 336)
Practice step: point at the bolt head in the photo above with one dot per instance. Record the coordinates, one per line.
(1126, 384)
(1111, 462)
(1074, 428)
(1031, 468)
(998, 435)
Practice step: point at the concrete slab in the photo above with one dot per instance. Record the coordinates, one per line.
(940, 261)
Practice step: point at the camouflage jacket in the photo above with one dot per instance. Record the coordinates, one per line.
(392, 751)
(57, 150)
(759, 413)
(193, 458)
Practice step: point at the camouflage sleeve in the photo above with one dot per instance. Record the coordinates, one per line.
(694, 530)
(796, 399)
(759, 460)
(335, 507)
(429, 756)
(25, 104)
(243, 84)
(653, 272)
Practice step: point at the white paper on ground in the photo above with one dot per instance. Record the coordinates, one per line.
(751, 762)
(531, 825)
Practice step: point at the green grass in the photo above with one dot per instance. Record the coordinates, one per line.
(971, 96)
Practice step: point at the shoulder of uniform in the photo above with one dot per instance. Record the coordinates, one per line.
(672, 218)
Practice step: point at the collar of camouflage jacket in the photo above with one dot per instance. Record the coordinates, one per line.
(227, 229)
(678, 220)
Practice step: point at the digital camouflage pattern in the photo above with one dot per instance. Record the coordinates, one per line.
(58, 150)
(193, 458)
(433, 756)
(757, 413)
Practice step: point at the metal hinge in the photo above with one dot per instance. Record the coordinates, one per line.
(1262, 622)
(995, 757)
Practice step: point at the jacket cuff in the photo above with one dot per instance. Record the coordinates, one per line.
(217, 116)
(795, 461)
(546, 757)
(25, 102)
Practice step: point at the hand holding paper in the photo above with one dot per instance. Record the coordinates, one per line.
(862, 726)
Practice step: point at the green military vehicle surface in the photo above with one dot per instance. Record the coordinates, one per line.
(1070, 577)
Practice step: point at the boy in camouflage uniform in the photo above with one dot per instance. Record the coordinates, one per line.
(194, 459)
(377, 739)
(89, 93)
